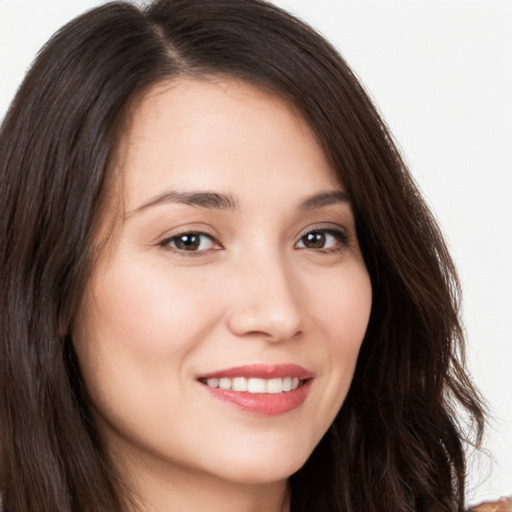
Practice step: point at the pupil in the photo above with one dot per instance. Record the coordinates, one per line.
(188, 242)
(314, 240)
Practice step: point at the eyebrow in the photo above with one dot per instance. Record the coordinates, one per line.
(218, 201)
(211, 200)
(324, 199)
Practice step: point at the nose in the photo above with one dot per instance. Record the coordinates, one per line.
(266, 301)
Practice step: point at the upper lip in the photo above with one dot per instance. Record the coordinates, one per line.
(261, 371)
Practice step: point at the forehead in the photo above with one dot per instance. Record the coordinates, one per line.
(217, 134)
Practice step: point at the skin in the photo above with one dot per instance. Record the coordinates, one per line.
(155, 316)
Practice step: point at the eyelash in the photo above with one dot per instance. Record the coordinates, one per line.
(193, 253)
(341, 237)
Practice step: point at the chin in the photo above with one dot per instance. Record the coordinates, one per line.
(262, 474)
(263, 465)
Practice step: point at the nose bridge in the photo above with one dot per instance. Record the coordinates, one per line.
(267, 299)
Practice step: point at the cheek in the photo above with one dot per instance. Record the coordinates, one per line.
(340, 312)
(340, 306)
(141, 311)
(135, 332)
(354, 302)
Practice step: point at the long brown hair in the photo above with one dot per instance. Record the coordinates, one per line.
(397, 443)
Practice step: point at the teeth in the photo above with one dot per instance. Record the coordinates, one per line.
(213, 383)
(225, 383)
(239, 384)
(271, 386)
(275, 386)
(287, 384)
(256, 386)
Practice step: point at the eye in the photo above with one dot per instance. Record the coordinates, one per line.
(323, 239)
(190, 242)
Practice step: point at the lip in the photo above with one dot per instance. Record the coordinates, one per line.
(261, 371)
(262, 404)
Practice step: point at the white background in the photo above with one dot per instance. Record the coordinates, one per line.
(441, 74)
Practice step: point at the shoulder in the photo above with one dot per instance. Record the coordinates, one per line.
(502, 505)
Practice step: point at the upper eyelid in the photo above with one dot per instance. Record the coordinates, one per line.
(165, 243)
(332, 227)
(186, 230)
(175, 237)
(332, 231)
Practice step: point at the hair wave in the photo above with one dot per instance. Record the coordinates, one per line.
(397, 444)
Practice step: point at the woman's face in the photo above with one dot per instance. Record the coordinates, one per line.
(220, 329)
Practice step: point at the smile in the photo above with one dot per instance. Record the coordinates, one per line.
(266, 390)
(254, 385)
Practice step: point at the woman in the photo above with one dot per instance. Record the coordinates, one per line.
(220, 288)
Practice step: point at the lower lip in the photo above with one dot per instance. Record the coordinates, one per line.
(264, 404)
